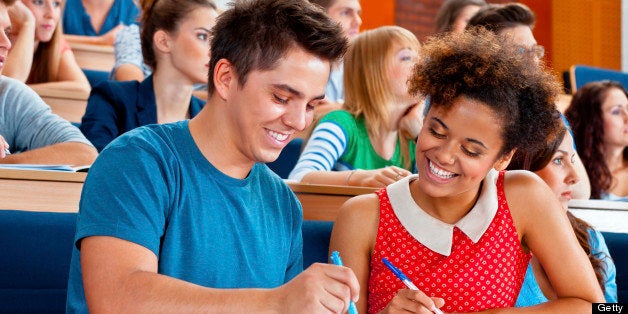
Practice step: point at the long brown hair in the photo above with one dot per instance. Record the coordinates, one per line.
(535, 160)
(47, 56)
(585, 116)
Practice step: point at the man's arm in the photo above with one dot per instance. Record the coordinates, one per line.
(121, 276)
(68, 153)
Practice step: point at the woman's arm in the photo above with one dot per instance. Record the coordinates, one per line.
(70, 76)
(545, 229)
(353, 236)
(104, 39)
(20, 56)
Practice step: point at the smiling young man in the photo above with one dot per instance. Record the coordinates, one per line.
(185, 216)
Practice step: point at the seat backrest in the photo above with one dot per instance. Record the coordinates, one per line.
(618, 248)
(316, 234)
(35, 260)
(582, 74)
(287, 159)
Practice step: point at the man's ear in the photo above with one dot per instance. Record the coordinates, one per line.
(503, 161)
(224, 77)
(162, 41)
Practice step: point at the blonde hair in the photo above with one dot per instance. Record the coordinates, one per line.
(367, 88)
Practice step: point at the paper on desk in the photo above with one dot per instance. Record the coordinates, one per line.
(67, 168)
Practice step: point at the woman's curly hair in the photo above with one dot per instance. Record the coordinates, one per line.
(478, 65)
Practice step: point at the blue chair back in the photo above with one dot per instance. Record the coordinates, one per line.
(287, 159)
(582, 74)
(35, 260)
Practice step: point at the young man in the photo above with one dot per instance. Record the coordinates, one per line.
(29, 132)
(185, 216)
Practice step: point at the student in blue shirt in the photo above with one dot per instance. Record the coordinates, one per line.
(97, 21)
(176, 46)
(185, 216)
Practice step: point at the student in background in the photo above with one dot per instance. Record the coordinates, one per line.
(347, 14)
(29, 132)
(554, 163)
(97, 21)
(454, 15)
(40, 56)
(175, 37)
(371, 141)
(203, 224)
(463, 230)
(514, 23)
(598, 114)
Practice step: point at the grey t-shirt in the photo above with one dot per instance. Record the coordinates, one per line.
(27, 123)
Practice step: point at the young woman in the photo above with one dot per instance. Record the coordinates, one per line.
(598, 114)
(175, 38)
(454, 15)
(40, 56)
(554, 163)
(463, 230)
(371, 141)
(97, 21)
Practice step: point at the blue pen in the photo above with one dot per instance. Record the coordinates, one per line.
(335, 259)
(406, 281)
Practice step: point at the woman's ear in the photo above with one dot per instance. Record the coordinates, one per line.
(162, 41)
(224, 78)
(503, 161)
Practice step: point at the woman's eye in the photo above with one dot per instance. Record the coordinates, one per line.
(436, 134)
(469, 153)
(202, 37)
(557, 161)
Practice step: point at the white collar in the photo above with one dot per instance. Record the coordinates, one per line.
(433, 233)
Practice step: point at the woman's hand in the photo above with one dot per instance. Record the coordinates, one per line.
(20, 16)
(411, 122)
(4, 147)
(377, 177)
(412, 301)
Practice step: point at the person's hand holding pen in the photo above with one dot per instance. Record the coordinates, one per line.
(321, 288)
(412, 299)
(4, 147)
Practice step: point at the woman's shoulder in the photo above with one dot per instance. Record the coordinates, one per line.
(338, 116)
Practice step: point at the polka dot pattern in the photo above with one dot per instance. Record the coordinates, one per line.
(474, 277)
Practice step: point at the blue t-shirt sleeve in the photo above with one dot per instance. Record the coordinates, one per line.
(600, 249)
(127, 202)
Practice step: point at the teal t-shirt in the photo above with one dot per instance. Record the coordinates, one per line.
(359, 152)
(152, 186)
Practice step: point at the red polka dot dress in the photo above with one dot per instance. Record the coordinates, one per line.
(474, 265)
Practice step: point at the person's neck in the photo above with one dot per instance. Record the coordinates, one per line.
(216, 137)
(614, 157)
(172, 96)
(448, 209)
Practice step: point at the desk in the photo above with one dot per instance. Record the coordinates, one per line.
(32, 190)
(321, 202)
(93, 57)
(68, 104)
(607, 216)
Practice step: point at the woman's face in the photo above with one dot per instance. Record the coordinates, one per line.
(615, 116)
(463, 18)
(560, 173)
(191, 42)
(401, 61)
(457, 148)
(347, 13)
(47, 14)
